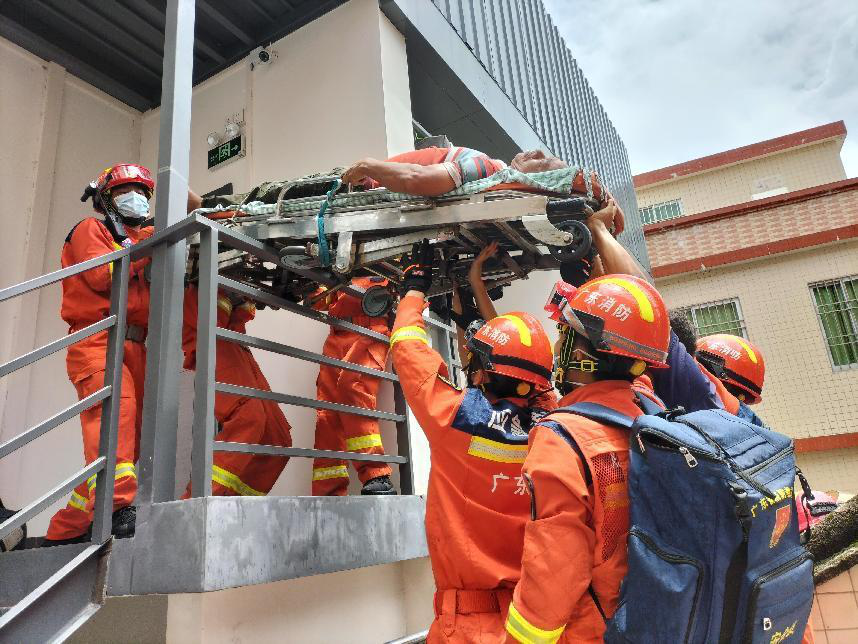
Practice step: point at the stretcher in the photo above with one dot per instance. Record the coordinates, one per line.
(325, 235)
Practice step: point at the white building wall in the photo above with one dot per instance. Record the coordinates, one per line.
(61, 133)
(337, 91)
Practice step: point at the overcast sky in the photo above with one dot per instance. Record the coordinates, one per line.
(681, 79)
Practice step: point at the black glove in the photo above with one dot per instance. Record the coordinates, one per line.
(417, 275)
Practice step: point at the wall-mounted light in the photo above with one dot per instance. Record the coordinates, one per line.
(232, 130)
(213, 139)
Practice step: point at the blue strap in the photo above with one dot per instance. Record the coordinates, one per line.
(649, 406)
(597, 412)
(324, 251)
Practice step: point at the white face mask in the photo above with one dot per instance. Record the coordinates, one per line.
(132, 205)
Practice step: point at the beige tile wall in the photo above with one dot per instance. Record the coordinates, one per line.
(803, 396)
(800, 168)
(835, 610)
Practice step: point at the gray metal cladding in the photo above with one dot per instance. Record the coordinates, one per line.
(521, 49)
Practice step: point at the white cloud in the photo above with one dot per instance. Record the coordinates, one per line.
(682, 79)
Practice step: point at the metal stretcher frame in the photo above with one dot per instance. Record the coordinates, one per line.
(534, 231)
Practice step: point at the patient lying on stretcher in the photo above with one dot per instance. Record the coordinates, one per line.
(432, 172)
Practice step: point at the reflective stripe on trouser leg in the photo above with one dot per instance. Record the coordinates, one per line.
(70, 522)
(231, 481)
(523, 631)
(361, 433)
(330, 476)
(74, 519)
(241, 420)
(332, 472)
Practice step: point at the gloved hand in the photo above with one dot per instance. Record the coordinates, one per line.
(418, 270)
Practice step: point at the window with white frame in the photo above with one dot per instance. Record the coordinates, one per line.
(661, 211)
(837, 308)
(723, 316)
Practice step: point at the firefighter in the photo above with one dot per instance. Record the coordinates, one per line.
(612, 329)
(477, 503)
(687, 383)
(738, 364)
(121, 195)
(338, 431)
(240, 420)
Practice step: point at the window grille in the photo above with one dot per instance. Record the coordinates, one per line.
(723, 316)
(661, 211)
(837, 309)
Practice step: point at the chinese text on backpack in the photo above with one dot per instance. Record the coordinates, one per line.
(714, 548)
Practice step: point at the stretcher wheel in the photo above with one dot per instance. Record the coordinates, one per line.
(376, 301)
(580, 245)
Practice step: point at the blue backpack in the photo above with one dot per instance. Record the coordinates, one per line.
(714, 552)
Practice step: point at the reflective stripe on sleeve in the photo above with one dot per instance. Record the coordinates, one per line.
(363, 442)
(231, 481)
(525, 632)
(333, 472)
(409, 333)
(495, 451)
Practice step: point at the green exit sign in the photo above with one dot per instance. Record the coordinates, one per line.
(226, 151)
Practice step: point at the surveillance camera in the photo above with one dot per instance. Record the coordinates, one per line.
(261, 56)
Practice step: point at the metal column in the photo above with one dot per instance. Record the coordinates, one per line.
(161, 403)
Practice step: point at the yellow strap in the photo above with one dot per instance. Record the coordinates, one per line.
(526, 633)
(523, 331)
(409, 333)
(77, 502)
(363, 442)
(333, 472)
(495, 451)
(231, 481)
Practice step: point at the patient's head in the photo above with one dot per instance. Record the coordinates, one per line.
(536, 161)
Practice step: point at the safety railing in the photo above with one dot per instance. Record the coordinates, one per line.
(206, 387)
(108, 396)
(103, 468)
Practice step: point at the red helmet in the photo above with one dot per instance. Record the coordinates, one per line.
(734, 361)
(114, 176)
(621, 315)
(515, 345)
(560, 295)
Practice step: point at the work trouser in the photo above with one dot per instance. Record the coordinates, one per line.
(466, 616)
(74, 520)
(245, 420)
(347, 432)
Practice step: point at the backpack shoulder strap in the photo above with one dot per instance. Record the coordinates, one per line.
(647, 404)
(599, 413)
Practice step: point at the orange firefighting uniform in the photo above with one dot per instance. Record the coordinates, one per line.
(477, 504)
(347, 432)
(577, 538)
(86, 299)
(241, 420)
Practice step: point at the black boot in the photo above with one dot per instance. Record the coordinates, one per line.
(84, 538)
(15, 539)
(124, 520)
(379, 486)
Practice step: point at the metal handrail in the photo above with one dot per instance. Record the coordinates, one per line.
(102, 467)
(416, 638)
